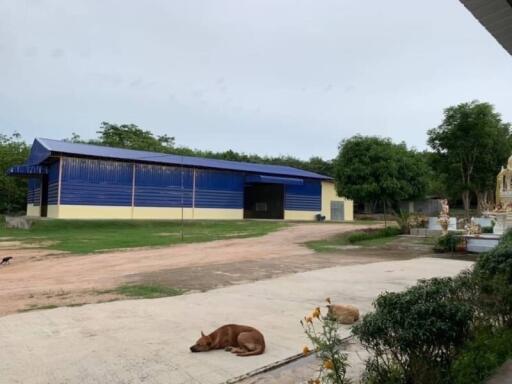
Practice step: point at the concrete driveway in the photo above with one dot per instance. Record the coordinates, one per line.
(147, 341)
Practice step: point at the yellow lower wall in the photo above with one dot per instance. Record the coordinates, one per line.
(329, 194)
(300, 215)
(113, 212)
(349, 210)
(94, 212)
(53, 211)
(188, 213)
(33, 210)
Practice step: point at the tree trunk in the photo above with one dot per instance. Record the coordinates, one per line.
(385, 219)
(368, 206)
(466, 200)
(482, 201)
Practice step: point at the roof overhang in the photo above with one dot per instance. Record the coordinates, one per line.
(273, 180)
(27, 170)
(496, 17)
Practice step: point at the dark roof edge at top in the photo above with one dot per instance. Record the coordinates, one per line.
(89, 150)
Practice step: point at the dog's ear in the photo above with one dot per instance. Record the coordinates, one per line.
(202, 334)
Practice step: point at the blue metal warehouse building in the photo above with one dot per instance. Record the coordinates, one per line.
(77, 181)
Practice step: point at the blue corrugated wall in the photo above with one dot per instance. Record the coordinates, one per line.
(306, 197)
(105, 182)
(34, 191)
(161, 186)
(219, 189)
(96, 182)
(53, 183)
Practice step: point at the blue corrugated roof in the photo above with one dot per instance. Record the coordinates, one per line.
(64, 147)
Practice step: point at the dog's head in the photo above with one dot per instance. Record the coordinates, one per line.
(203, 344)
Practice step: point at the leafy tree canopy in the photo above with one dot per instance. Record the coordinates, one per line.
(13, 150)
(129, 136)
(132, 137)
(371, 168)
(471, 144)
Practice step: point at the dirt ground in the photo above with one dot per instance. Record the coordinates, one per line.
(37, 279)
(135, 341)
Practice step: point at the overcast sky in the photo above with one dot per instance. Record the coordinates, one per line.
(263, 76)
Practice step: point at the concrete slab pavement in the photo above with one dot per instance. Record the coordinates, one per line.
(147, 341)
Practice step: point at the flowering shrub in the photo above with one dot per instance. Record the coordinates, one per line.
(322, 331)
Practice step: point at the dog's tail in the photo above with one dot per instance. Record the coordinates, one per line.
(257, 351)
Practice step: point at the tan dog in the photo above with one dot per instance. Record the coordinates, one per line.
(345, 314)
(238, 339)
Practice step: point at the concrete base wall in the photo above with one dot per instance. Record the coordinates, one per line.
(156, 213)
(188, 213)
(33, 211)
(53, 211)
(300, 215)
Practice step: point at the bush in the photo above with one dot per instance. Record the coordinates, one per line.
(448, 243)
(452, 330)
(493, 275)
(403, 220)
(377, 374)
(407, 220)
(482, 356)
(414, 335)
(373, 234)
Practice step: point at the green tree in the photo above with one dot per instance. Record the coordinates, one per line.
(128, 136)
(319, 165)
(370, 169)
(13, 190)
(471, 143)
(132, 137)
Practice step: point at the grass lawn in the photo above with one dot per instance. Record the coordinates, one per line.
(85, 236)
(369, 238)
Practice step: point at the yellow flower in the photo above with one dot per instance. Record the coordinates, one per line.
(315, 381)
(316, 312)
(306, 351)
(328, 364)
(328, 300)
(308, 319)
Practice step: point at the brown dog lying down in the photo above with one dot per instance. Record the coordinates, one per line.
(238, 339)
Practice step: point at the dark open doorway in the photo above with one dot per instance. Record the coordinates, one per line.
(264, 201)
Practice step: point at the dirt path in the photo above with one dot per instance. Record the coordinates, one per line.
(33, 281)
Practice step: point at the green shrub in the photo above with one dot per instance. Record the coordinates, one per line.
(493, 276)
(403, 219)
(414, 335)
(407, 220)
(372, 234)
(448, 242)
(482, 356)
(376, 373)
